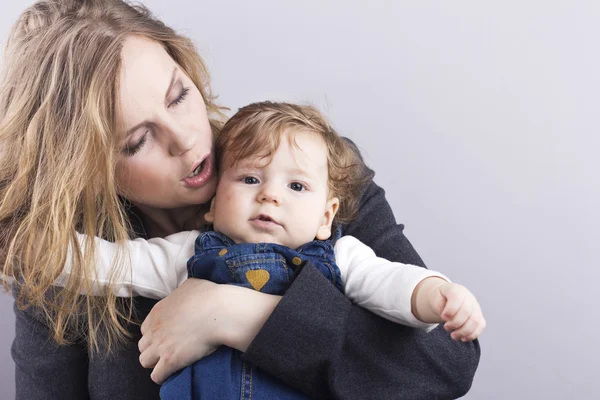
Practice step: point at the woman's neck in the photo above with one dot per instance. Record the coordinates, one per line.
(161, 222)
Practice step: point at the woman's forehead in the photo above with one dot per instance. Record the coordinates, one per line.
(147, 73)
(146, 69)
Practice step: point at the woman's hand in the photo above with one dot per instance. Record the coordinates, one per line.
(196, 319)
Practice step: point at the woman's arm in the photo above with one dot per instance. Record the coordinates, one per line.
(43, 370)
(313, 337)
(318, 341)
(47, 371)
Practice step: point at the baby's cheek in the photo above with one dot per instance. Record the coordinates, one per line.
(223, 197)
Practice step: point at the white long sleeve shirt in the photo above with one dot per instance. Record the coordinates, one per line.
(157, 266)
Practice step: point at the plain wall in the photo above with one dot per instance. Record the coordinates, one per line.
(481, 121)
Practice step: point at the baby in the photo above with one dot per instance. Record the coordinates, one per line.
(286, 179)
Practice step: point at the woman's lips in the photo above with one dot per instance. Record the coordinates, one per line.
(206, 170)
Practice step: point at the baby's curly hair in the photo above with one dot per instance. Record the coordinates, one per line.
(257, 128)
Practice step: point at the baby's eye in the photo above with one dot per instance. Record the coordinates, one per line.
(298, 187)
(250, 180)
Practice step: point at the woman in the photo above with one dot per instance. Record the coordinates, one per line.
(106, 125)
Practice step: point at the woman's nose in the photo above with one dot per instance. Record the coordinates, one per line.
(181, 141)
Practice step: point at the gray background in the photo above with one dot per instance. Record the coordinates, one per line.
(479, 118)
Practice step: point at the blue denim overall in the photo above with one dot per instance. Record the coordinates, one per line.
(266, 267)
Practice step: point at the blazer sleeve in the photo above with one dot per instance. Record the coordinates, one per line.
(321, 343)
(47, 371)
(44, 370)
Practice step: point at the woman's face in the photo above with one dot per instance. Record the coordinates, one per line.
(166, 158)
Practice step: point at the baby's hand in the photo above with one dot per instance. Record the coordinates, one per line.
(460, 311)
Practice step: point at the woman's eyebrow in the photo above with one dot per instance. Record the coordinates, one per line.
(145, 123)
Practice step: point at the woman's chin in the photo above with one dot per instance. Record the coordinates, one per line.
(203, 194)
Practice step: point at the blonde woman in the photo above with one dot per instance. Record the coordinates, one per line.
(106, 128)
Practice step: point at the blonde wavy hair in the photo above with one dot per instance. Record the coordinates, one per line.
(58, 151)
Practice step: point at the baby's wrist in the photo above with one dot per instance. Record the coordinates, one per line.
(424, 299)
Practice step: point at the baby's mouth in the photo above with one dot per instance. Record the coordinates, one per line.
(265, 219)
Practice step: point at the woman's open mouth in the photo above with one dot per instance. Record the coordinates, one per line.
(200, 174)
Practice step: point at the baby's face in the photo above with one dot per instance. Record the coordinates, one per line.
(283, 200)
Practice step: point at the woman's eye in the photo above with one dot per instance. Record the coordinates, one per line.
(298, 187)
(250, 180)
(131, 150)
(180, 98)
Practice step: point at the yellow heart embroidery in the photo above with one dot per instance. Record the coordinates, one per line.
(257, 278)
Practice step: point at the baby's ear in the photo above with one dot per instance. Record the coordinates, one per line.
(209, 217)
(331, 209)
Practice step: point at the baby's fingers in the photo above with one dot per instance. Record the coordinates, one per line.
(455, 296)
(471, 329)
(476, 333)
(460, 317)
